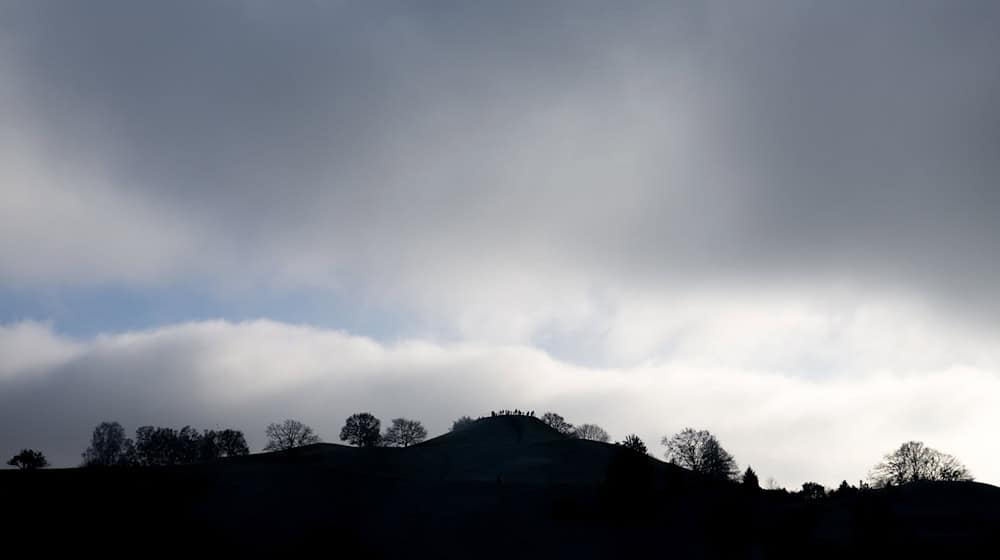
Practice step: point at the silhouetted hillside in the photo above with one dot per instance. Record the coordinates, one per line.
(504, 449)
(503, 487)
(500, 431)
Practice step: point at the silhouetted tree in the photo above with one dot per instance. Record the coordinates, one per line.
(156, 446)
(463, 423)
(223, 443)
(189, 441)
(558, 423)
(28, 460)
(109, 447)
(913, 462)
(404, 433)
(812, 491)
(289, 434)
(592, 432)
(633, 442)
(700, 451)
(362, 429)
(208, 446)
(844, 489)
(750, 479)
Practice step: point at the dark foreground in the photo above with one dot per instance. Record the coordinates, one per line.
(505, 488)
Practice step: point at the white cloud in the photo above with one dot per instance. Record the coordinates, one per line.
(794, 427)
(816, 333)
(30, 348)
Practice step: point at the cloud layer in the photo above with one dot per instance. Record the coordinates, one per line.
(499, 170)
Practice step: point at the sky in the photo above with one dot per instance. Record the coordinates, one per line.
(773, 220)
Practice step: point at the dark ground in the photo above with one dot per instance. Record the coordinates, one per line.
(506, 487)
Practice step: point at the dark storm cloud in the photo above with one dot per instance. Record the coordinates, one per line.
(252, 108)
(536, 161)
(874, 131)
(675, 143)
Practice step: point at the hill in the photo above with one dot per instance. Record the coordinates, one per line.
(504, 449)
(507, 486)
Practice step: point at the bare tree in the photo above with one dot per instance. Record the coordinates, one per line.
(362, 429)
(404, 433)
(462, 423)
(700, 451)
(289, 434)
(558, 423)
(29, 460)
(593, 432)
(913, 462)
(109, 447)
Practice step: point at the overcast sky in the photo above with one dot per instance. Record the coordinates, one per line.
(774, 220)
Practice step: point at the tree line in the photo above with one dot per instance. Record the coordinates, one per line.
(158, 447)
(695, 450)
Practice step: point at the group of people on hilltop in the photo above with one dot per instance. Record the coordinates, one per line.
(515, 412)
